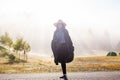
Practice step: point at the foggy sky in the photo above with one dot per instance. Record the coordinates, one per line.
(92, 24)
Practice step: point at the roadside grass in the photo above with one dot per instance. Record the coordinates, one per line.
(103, 63)
(41, 65)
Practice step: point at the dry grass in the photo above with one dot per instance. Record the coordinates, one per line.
(95, 64)
(37, 64)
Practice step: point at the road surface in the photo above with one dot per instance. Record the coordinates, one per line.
(71, 76)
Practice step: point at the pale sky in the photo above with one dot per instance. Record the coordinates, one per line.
(33, 19)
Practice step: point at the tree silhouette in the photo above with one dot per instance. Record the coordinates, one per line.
(18, 45)
(26, 49)
(6, 40)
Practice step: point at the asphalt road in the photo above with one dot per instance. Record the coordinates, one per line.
(71, 76)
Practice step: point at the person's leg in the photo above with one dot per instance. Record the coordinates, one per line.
(63, 65)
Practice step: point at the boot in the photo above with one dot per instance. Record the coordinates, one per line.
(64, 77)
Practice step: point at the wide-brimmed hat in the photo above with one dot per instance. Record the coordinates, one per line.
(60, 22)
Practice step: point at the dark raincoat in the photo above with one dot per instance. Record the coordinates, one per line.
(66, 53)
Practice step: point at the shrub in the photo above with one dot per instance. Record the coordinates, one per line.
(112, 54)
(119, 54)
(11, 57)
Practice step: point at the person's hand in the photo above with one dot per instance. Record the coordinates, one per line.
(56, 62)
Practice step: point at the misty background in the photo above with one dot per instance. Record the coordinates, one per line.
(94, 25)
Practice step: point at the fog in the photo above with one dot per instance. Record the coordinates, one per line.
(87, 41)
(93, 25)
